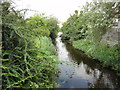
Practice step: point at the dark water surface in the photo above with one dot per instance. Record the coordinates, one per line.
(82, 71)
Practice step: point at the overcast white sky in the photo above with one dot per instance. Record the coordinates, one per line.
(61, 9)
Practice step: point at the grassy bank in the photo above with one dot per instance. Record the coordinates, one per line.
(105, 54)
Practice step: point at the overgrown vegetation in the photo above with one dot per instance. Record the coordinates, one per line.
(85, 28)
(29, 56)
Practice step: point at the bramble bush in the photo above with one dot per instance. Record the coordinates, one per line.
(29, 59)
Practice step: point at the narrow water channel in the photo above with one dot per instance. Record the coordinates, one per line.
(82, 71)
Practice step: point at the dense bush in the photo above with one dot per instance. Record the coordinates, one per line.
(29, 59)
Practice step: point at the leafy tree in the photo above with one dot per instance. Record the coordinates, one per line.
(94, 20)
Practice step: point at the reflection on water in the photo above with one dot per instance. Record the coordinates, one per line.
(82, 72)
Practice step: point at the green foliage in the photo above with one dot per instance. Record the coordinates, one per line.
(44, 26)
(29, 59)
(52, 24)
(37, 25)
